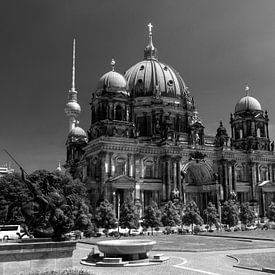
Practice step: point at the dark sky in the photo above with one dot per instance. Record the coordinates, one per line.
(218, 47)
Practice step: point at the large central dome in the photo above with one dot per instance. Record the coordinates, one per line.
(153, 78)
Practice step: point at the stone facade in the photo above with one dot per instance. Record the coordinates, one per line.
(146, 142)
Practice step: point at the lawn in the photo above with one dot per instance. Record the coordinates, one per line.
(261, 234)
(195, 243)
(256, 260)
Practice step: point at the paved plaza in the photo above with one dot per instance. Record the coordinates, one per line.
(192, 255)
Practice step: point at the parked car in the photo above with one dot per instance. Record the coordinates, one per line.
(10, 231)
(250, 227)
(136, 232)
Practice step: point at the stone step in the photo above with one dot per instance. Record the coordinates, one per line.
(111, 264)
(112, 260)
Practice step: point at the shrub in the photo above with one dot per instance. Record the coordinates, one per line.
(196, 229)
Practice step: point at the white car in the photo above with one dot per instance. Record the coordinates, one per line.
(9, 231)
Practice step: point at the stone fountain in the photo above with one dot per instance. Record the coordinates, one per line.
(124, 253)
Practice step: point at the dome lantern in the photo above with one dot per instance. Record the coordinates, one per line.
(150, 52)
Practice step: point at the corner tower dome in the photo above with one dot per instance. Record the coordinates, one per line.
(248, 103)
(112, 81)
(77, 132)
(151, 77)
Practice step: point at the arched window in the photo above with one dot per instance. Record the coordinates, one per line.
(262, 132)
(120, 166)
(103, 111)
(263, 173)
(148, 173)
(119, 112)
(239, 173)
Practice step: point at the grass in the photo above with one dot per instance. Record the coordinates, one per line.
(256, 260)
(266, 234)
(195, 243)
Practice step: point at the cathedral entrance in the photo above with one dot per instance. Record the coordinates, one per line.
(122, 188)
(199, 182)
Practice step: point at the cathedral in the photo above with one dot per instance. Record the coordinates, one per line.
(146, 142)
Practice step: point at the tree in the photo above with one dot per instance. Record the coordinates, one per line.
(192, 215)
(271, 212)
(247, 214)
(170, 216)
(129, 216)
(46, 203)
(105, 216)
(210, 215)
(14, 194)
(152, 216)
(230, 213)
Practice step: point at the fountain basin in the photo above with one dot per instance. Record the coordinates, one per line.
(126, 249)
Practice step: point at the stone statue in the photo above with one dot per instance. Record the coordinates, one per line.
(46, 213)
(272, 146)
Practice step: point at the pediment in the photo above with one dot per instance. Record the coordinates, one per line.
(122, 181)
(267, 186)
(267, 183)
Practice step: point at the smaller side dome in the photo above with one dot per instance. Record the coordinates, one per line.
(112, 81)
(248, 103)
(77, 132)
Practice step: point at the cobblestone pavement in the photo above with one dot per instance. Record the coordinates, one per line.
(191, 263)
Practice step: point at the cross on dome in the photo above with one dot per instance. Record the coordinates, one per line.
(150, 50)
(150, 26)
(113, 63)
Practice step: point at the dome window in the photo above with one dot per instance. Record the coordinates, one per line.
(140, 81)
(165, 68)
(141, 67)
(170, 82)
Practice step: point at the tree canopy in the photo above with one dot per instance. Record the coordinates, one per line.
(247, 215)
(105, 216)
(192, 215)
(152, 216)
(129, 216)
(230, 213)
(210, 214)
(271, 212)
(170, 216)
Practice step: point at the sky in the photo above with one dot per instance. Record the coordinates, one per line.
(217, 46)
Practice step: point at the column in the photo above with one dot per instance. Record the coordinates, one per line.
(114, 202)
(142, 200)
(225, 179)
(163, 174)
(253, 179)
(131, 174)
(128, 164)
(179, 180)
(267, 133)
(110, 165)
(174, 175)
(233, 176)
(230, 185)
(102, 156)
(168, 179)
